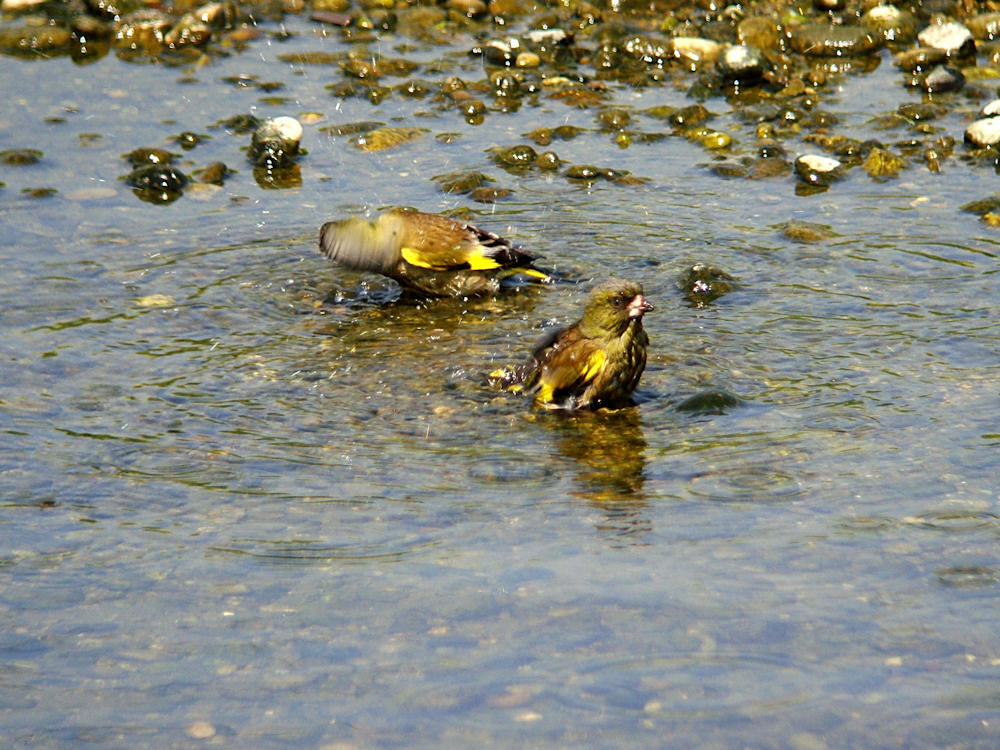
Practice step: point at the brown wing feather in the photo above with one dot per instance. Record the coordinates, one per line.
(443, 244)
(563, 366)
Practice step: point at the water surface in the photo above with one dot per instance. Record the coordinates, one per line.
(243, 487)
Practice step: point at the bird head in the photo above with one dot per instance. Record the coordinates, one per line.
(612, 306)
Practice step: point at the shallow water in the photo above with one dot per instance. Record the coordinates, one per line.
(242, 487)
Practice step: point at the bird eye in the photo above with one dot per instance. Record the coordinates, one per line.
(618, 301)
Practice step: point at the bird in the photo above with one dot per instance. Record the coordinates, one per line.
(595, 362)
(429, 254)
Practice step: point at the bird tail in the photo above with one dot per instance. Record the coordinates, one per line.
(507, 379)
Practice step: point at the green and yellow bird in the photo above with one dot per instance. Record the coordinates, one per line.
(596, 362)
(428, 254)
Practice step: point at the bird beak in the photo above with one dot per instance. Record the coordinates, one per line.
(638, 307)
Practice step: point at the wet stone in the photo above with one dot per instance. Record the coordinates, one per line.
(497, 52)
(548, 160)
(460, 182)
(220, 15)
(275, 142)
(714, 402)
(728, 169)
(505, 83)
(516, 156)
(351, 128)
(816, 169)
(943, 79)
(157, 183)
(214, 174)
(991, 110)
(648, 50)
(527, 60)
(918, 111)
(762, 169)
(19, 157)
(827, 40)
(759, 31)
(161, 177)
(614, 118)
(468, 8)
(881, 164)
(951, 37)
(489, 194)
(715, 140)
(20, 6)
(983, 132)
(982, 206)
(188, 140)
(39, 192)
(415, 89)
(771, 149)
(693, 114)
(922, 58)
(189, 30)
(381, 139)
(592, 173)
(331, 18)
(140, 156)
(695, 51)
(88, 29)
(113, 9)
(741, 64)
(143, 31)
(806, 231)
(891, 23)
(29, 40)
(472, 108)
(703, 283)
(985, 26)
(545, 136)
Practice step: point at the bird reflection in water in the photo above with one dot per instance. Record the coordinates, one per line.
(609, 449)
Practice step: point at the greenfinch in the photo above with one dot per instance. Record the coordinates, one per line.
(596, 362)
(429, 254)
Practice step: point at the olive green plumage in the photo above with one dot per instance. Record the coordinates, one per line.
(595, 362)
(428, 254)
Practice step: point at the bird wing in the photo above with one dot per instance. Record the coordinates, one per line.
(360, 244)
(438, 243)
(567, 364)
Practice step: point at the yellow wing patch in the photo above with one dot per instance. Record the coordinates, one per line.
(594, 364)
(475, 261)
(412, 256)
(479, 262)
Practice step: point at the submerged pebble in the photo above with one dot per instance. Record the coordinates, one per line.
(18, 157)
(381, 139)
(882, 164)
(806, 231)
(703, 283)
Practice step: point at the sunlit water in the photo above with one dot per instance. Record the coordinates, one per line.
(240, 487)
